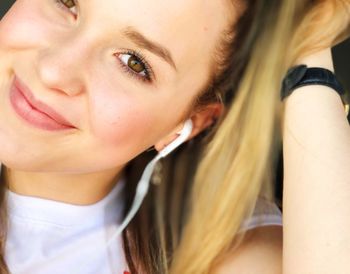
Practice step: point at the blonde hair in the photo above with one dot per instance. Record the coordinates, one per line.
(237, 163)
(239, 160)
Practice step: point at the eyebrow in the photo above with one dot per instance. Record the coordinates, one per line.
(142, 42)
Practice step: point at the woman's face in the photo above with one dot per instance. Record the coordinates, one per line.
(122, 73)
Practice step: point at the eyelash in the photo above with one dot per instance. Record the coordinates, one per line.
(149, 75)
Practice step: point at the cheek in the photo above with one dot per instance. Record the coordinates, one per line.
(122, 121)
(22, 27)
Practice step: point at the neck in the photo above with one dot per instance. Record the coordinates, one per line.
(78, 189)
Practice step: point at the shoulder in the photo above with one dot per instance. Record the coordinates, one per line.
(260, 252)
(261, 248)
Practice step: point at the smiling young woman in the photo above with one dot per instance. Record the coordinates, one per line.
(87, 87)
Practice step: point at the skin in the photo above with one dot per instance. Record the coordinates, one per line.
(72, 61)
(260, 252)
(49, 50)
(316, 145)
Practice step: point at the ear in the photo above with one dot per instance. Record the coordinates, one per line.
(201, 118)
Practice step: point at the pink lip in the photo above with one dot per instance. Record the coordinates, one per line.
(33, 111)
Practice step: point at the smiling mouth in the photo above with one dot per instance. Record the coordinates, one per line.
(34, 111)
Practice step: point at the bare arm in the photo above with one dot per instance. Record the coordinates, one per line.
(316, 204)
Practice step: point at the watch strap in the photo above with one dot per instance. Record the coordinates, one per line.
(301, 75)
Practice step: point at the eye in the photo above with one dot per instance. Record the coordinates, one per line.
(135, 64)
(68, 5)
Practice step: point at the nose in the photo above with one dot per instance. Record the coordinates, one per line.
(61, 67)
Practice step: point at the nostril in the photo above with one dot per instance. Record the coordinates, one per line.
(61, 91)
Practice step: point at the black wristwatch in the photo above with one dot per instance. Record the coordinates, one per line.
(301, 75)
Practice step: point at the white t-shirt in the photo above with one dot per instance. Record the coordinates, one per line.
(50, 237)
(265, 213)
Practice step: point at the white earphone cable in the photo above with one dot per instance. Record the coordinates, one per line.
(143, 184)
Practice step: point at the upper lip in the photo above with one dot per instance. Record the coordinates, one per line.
(40, 106)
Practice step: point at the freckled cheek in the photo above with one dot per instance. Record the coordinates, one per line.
(123, 123)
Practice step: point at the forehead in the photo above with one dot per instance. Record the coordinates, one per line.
(188, 28)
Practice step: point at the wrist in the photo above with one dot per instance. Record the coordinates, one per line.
(316, 69)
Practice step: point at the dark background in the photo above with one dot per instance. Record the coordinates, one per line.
(341, 56)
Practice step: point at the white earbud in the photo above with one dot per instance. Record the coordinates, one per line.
(143, 185)
(185, 132)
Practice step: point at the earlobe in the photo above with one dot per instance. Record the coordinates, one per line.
(186, 130)
(182, 137)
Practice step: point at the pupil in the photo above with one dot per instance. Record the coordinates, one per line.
(135, 64)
